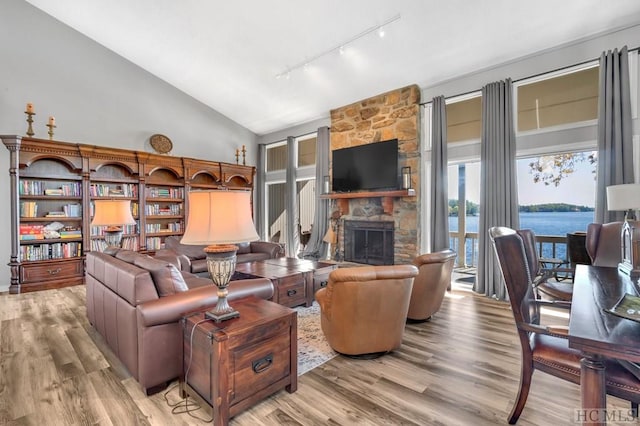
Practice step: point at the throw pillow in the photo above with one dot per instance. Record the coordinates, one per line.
(166, 277)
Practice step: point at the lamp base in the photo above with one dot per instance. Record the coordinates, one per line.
(221, 262)
(113, 236)
(210, 315)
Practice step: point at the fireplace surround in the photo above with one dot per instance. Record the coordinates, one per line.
(369, 242)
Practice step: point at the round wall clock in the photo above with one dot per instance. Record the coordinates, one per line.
(160, 143)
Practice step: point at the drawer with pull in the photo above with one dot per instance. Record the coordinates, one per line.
(38, 272)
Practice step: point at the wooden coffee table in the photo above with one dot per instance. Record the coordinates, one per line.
(295, 280)
(232, 365)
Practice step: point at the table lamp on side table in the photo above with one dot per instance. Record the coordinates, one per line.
(219, 218)
(626, 197)
(113, 214)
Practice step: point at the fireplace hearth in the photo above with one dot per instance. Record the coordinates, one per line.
(369, 242)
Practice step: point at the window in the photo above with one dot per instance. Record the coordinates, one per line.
(569, 97)
(307, 151)
(464, 119)
(276, 212)
(277, 156)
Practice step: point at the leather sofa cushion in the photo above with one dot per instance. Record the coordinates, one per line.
(166, 277)
(192, 252)
(243, 248)
(128, 256)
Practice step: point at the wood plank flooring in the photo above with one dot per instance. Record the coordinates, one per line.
(461, 368)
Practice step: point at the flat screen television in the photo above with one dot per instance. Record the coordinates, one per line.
(372, 166)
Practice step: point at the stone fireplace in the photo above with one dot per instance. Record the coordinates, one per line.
(390, 216)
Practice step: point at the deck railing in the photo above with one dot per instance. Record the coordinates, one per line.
(549, 246)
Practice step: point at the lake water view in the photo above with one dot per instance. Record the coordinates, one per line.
(542, 223)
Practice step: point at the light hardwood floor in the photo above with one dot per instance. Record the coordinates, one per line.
(461, 368)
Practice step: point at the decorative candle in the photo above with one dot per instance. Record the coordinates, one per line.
(29, 108)
(52, 120)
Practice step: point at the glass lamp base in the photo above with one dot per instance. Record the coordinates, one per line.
(221, 262)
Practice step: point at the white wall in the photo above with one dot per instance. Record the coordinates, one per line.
(97, 97)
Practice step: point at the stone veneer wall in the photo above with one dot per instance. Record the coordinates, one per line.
(387, 116)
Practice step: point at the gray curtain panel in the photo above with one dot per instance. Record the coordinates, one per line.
(439, 181)
(615, 151)
(498, 182)
(291, 200)
(316, 248)
(258, 200)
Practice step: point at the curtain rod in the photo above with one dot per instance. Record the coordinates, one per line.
(530, 76)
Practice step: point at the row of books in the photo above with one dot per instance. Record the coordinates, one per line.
(110, 190)
(157, 209)
(170, 227)
(38, 187)
(154, 243)
(30, 232)
(154, 192)
(50, 251)
(129, 243)
(30, 209)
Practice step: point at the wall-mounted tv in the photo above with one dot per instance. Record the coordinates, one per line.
(372, 166)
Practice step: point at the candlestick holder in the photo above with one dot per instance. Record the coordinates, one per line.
(237, 156)
(244, 156)
(30, 115)
(50, 132)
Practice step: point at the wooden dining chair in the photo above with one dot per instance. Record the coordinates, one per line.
(541, 276)
(545, 347)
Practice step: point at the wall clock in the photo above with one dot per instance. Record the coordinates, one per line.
(160, 143)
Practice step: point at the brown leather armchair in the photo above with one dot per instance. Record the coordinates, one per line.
(432, 282)
(545, 348)
(604, 244)
(364, 309)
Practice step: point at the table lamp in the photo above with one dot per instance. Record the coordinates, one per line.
(626, 197)
(219, 218)
(113, 214)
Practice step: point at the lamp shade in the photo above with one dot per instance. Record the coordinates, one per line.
(623, 197)
(219, 217)
(112, 213)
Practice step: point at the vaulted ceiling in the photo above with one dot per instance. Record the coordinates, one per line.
(272, 64)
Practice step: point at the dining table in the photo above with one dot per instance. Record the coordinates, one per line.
(599, 334)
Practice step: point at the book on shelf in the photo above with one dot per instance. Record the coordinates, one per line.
(26, 229)
(53, 191)
(56, 214)
(30, 237)
(28, 209)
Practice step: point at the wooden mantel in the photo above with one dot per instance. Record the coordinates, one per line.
(387, 198)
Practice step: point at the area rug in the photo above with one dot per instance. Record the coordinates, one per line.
(313, 349)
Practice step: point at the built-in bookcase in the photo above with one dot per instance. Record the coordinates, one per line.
(53, 189)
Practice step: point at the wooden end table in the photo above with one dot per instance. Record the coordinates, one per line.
(231, 365)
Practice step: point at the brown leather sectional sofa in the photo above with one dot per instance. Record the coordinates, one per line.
(136, 302)
(193, 258)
